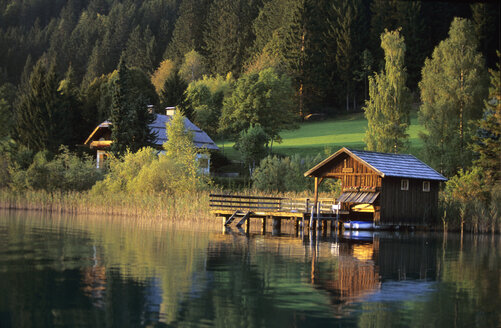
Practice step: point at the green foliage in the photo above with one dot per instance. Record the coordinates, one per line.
(139, 51)
(264, 98)
(65, 172)
(205, 98)
(276, 174)
(173, 91)
(487, 140)
(7, 96)
(466, 200)
(179, 146)
(44, 119)
(143, 172)
(129, 115)
(188, 29)
(123, 171)
(388, 107)
(342, 28)
(193, 66)
(453, 87)
(228, 35)
(161, 74)
(252, 145)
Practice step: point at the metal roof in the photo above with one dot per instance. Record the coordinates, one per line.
(359, 197)
(387, 164)
(200, 138)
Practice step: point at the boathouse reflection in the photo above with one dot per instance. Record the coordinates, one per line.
(350, 268)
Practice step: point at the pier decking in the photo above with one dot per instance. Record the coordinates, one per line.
(302, 210)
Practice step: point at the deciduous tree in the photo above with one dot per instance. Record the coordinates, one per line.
(453, 87)
(387, 110)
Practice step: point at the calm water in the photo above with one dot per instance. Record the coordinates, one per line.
(61, 271)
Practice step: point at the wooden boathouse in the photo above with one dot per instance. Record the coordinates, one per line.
(387, 189)
(382, 189)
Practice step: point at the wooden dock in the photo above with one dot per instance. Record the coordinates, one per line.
(301, 210)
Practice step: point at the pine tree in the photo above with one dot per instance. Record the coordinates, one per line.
(228, 35)
(43, 121)
(188, 31)
(129, 115)
(139, 49)
(342, 23)
(453, 87)
(487, 141)
(387, 110)
(173, 92)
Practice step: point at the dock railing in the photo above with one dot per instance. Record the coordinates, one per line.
(268, 204)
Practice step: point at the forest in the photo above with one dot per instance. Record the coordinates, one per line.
(245, 70)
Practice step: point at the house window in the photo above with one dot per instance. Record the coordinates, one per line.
(404, 184)
(426, 186)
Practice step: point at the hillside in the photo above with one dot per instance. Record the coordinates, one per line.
(315, 137)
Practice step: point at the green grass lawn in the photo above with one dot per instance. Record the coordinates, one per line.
(315, 137)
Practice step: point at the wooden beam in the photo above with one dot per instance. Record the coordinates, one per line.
(316, 192)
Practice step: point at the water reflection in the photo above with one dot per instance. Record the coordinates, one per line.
(60, 271)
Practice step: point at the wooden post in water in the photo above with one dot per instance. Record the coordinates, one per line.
(263, 226)
(247, 225)
(319, 222)
(311, 217)
(276, 225)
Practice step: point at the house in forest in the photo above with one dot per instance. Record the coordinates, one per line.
(100, 139)
(387, 189)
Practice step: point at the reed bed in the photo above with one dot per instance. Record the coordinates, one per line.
(192, 206)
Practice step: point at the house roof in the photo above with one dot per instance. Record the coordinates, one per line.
(200, 138)
(386, 165)
(158, 127)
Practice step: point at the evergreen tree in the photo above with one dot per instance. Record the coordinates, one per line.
(188, 30)
(7, 97)
(342, 28)
(173, 92)
(139, 51)
(228, 35)
(453, 87)
(43, 120)
(130, 116)
(387, 110)
(486, 22)
(487, 141)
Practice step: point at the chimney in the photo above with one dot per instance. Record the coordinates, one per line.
(169, 111)
(151, 109)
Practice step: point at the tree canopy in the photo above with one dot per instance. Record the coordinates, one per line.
(453, 88)
(387, 109)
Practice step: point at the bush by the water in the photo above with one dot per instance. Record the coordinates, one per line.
(469, 203)
(63, 172)
(144, 172)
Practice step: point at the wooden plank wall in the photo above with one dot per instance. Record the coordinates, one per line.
(408, 207)
(353, 173)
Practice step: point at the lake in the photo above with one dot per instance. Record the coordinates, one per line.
(64, 271)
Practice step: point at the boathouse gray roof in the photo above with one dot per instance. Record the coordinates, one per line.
(387, 165)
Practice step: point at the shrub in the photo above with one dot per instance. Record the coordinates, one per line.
(287, 174)
(464, 200)
(65, 172)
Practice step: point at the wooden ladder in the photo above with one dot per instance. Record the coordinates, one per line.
(238, 214)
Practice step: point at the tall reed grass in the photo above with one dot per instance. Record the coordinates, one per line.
(192, 206)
